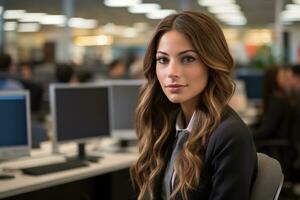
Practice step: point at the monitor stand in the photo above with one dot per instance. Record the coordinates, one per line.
(82, 155)
(123, 145)
(6, 177)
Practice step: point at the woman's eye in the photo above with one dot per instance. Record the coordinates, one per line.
(162, 60)
(188, 59)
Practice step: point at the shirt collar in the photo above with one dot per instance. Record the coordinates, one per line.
(179, 124)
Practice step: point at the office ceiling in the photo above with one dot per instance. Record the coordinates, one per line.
(259, 13)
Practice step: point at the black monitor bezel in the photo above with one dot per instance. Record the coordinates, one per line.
(52, 91)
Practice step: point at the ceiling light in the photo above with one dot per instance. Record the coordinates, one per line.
(290, 13)
(93, 40)
(14, 14)
(143, 8)
(230, 8)
(232, 19)
(10, 26)
(28, 27)
(230, 16)
(296, 1)
(294, 19)
(32, 17)
(215, 2)
(83, 23)
(290, 16)
(236, 23)
(53, 20)
(293, 7)
(123, 3)
(104, 40)
(159, 14)
(237, 20)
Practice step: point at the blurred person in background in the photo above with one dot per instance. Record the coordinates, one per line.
(44, 73)
(285, 80)
(7, 81)
(83, 76)
(296, 80)
(136, 68)
(117, 69)
(35, 88)
(274, 135)
(65, 73)
(26, 71)
(296, 125)
(277, 108)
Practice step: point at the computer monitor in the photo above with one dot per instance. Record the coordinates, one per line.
(254, 83)
(15, 134)
(80, 113)
(124, 99)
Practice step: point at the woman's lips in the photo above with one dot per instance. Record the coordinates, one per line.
(175, 88)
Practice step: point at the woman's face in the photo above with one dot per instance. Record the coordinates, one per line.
(179, 69)
(284, 79)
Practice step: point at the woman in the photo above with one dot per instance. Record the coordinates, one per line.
(192, 145)
(277, 105)
(273, 136)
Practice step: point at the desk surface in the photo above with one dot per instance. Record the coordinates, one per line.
(26, 183)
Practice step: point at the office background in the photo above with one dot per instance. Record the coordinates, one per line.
(102, 41)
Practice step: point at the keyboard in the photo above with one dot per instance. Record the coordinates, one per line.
(52, 168)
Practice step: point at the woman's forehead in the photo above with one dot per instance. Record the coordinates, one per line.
(174, 41)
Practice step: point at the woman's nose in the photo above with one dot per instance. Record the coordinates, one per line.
(173, 70)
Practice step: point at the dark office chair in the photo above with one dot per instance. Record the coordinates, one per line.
(269, 179)
(36, 94)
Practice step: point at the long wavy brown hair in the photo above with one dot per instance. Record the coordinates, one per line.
(155, 114)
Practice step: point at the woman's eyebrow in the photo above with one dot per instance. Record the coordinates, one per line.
(180, 53)
(162, 52)
(186, 51)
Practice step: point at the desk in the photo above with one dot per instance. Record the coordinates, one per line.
(25, 183)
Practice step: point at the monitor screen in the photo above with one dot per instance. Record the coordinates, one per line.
(124, 102)
(80, 112)
(15, 124)
(253, 82)
(124, 99)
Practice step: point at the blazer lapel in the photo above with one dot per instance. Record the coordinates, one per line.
(159, 179)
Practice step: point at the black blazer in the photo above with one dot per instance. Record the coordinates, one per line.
(277, 120)
(230, 163)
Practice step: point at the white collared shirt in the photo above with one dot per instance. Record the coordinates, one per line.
(179, 123)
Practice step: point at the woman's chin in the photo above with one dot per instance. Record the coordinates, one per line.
(174, 100)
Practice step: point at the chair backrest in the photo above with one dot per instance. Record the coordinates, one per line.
(269, 179)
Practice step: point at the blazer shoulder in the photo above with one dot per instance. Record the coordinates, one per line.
(231, 131)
